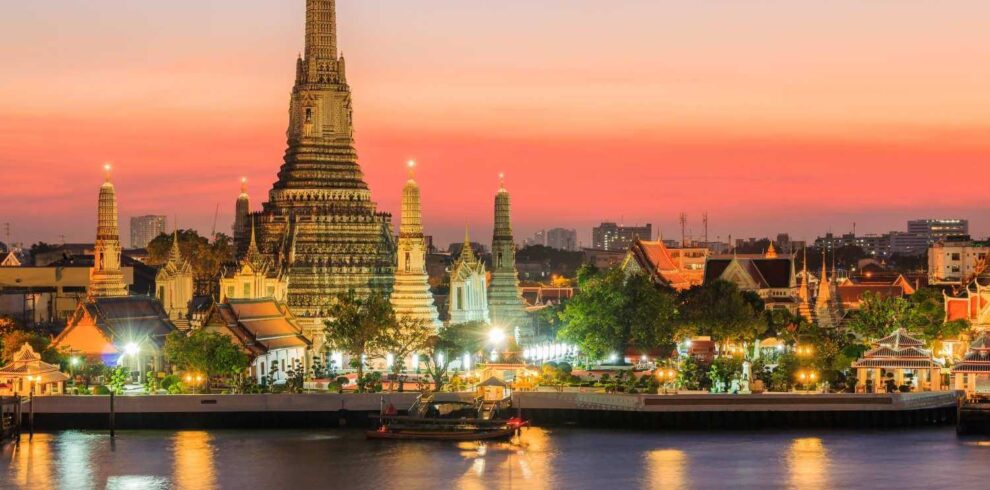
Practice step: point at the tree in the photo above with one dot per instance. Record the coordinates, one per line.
(450, 342)
(721, 310)
(878, 315)
(613, 311)
(210, 353)
(205, 257)
(405, 336)
(14, 339)
(357, 324)
(926, 316)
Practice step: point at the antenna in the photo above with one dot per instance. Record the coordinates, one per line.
(704, 219)
(6, 231)
(216, 215)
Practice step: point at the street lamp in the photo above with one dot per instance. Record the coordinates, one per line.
(496, 336)
(666, 376)
(804, 350)
(807, 378)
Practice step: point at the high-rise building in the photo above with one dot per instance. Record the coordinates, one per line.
(611, 236)
(320, 223)
(105, 278)
(936, 230)
(505, 301)
(562, 239)
(903, 243)
(144, 229)
(411, 297)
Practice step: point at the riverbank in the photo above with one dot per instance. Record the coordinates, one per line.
(661, 412)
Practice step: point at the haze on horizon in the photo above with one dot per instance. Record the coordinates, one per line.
(771, 116)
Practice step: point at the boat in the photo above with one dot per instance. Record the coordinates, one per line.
(448, 420)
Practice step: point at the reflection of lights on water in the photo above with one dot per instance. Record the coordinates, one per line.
(808, 462)
(977, 443)
(667, 468)
(137, 482)
(193, 456)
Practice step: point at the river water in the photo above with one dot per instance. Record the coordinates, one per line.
(551, 458)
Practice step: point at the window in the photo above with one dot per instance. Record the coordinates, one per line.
(230, 291)
(161, 293)
(263, 372)
(309, 115)
(408, 260)
(271, 291)
(247, 290)
(460, 298)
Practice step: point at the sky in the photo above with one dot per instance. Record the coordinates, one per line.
(771, 116)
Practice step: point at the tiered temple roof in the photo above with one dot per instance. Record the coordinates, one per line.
(898, 351)
(505, 301)
(258, 325)
(411, 297)
(977, 360)
(655, 259)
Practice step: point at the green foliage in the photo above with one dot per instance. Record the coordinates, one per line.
(723, 370)
(613, 311)
(403, 337)
(169, 381)
(295, 376)
(205, 257)
(14, 339)
(356, 324)
(118, 378)
(451, 342)
(691, 375)
(210, 353)
(782, 378)
(721, 310)
(926, 316)
(878, 315)
(100, 390)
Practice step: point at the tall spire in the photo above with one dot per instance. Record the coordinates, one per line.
(175, 255)
(466, 251)
(824, 289)
(505, 300)
(321, 40)
(411, 296)
(771, 251)
(242, 210)
(106, 278)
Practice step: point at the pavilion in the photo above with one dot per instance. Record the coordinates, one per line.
(972, 374)
(27, 373)
(903, 356)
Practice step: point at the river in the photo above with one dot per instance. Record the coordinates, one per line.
(541, 458)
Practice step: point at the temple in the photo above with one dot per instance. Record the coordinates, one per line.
(972, 374)
(320, 223)
(505, 301)
(255, 276)
(106, 278)
(468, 301)
(411, 296)
(174, 282)
(679, 268)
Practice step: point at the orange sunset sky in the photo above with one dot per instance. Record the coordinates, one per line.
(772, 116)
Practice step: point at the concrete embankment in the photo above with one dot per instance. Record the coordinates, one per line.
(661, 412)
(742, 412)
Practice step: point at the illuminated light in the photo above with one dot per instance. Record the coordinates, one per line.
(613, 358)
(389, 360)
(467, 361)
(411, 163)
(74, 361)
(440, 358)
(131, 349)
(496, 336)
(188, 379)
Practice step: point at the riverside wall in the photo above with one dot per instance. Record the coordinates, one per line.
(650, 412)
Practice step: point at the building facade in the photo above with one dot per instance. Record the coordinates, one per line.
(957, 262)
(562, 239)
(144, 229)
(936, 230)
(468, 300)
(174, 285)
(612, 236)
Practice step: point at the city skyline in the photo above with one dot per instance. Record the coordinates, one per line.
(764, 150)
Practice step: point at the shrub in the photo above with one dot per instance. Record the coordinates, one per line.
(169, 381)
(100, 390)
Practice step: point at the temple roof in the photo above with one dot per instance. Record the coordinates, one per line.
(900, 339)
(766, 273)
(259, 324)
(26, 362)
(655, 259)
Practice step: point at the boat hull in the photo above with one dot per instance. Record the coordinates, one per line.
(467, 435)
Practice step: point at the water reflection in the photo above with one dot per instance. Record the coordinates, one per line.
(32, 462)
(193, 455)
(525, 461)
(808, 463)
(667, 469)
